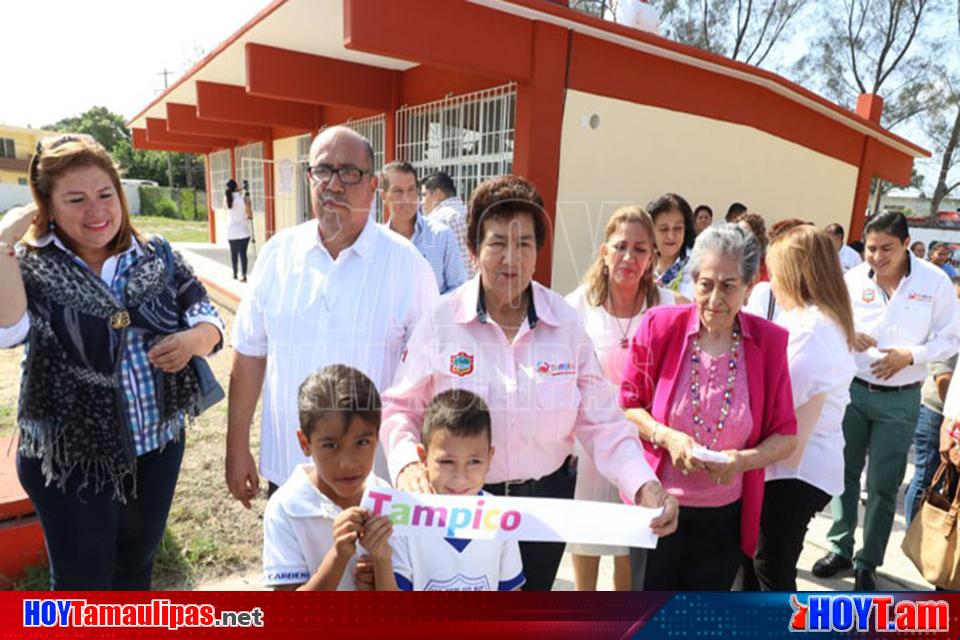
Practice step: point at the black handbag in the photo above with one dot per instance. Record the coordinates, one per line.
(210, 390)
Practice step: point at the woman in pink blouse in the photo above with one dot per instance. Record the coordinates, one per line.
(523, 349)
(709, 390)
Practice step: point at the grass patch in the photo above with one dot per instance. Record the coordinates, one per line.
(209, 535)
(173, 230)
(36, 578)
(171, 569)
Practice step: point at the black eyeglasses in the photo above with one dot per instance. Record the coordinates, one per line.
(349, 175)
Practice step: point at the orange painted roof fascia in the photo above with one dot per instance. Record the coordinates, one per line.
(661, 42)
(572, 15)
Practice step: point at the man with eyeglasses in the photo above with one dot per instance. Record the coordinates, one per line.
(338, 289)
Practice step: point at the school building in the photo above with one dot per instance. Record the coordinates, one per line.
(595, 113)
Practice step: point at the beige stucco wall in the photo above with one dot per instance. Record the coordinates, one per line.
(285, 191)
(636, 153)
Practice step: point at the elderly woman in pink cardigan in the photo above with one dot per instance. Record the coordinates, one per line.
(709, 390)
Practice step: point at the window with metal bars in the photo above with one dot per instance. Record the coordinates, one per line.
(219, 174)
(470, 137)
(250, 167)
(373, 129)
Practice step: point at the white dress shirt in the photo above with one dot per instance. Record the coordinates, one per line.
(849, 258)
(306, 310)
(820, 362)
(761, 299)
(922, 316)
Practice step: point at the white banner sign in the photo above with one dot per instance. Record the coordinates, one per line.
(528, 519)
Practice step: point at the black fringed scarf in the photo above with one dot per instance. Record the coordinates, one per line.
(72, 412)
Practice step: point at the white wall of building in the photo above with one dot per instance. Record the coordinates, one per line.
(615, 152)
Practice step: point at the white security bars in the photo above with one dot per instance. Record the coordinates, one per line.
(219, 174)
(470, 137)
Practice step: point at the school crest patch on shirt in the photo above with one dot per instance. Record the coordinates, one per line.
(869, 295)
(459, 582)
(461, 364)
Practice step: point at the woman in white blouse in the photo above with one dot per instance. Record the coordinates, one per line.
(807, 280)
(239, 214)
(616, 290)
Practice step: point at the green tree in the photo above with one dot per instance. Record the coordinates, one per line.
(107, 127)
(943, 127)
(880, 47)
(876, 47)
(743, 30)
(139, 164)
(110, 130)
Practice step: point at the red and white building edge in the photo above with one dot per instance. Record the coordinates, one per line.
(596, 114)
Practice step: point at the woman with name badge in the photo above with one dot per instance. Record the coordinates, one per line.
(618, 288)
(709, 391)
(522, 348)
(905, 315)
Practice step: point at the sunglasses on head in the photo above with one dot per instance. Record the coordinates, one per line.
(52, 142)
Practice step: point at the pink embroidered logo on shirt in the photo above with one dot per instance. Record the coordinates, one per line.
(461, 364)
(920, 297)
(869, 295)
(545, 368)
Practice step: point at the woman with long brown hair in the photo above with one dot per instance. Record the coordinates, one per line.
(808, 284)
(617, 289)
(111, 321)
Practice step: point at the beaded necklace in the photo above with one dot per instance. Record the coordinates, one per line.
(698, 421)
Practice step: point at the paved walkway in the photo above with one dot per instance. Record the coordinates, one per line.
(212, 264)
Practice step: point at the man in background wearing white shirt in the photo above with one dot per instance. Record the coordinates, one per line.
(338, 289)
(848, 257)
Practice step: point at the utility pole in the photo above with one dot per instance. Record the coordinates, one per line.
(166, 73)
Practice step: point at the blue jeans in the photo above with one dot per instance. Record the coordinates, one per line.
(926, 452)
(95, 542)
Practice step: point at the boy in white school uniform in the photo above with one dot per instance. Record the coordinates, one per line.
(313, 523)
(455, 446)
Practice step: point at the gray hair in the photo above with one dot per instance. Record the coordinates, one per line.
(730, 240)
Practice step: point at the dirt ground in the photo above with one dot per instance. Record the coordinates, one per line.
(209, 534)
